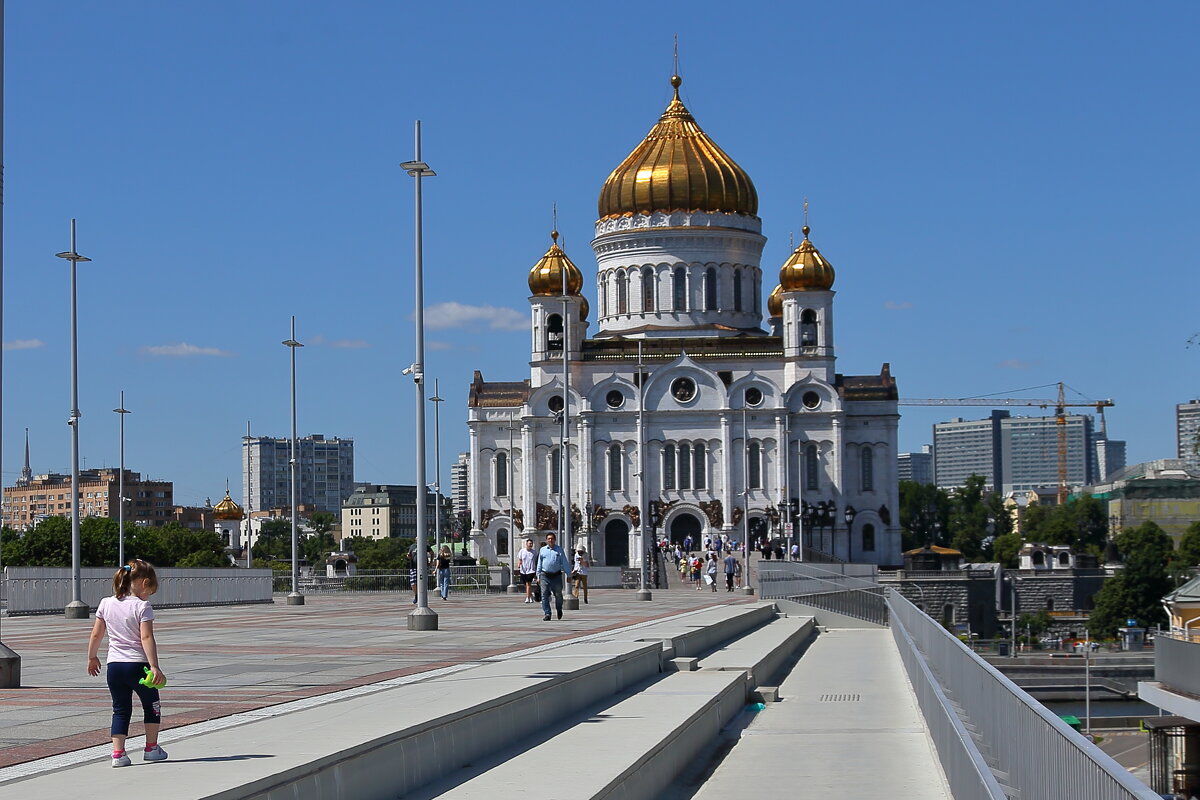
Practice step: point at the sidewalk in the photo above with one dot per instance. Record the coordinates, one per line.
(223, 661)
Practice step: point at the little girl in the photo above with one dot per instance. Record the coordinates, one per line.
(128, 619)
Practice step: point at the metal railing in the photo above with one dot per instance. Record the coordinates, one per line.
(1024, 744)
(826, 587)
(463, 580)
(1177, 661)
(47, 590)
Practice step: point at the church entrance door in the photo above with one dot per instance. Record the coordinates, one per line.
(616, 543)
(686, 525)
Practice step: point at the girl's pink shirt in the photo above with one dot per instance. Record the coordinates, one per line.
(123, 618)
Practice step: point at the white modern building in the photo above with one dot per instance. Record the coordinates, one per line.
(682, 410)
(460, 483)
(326, 472)
(916, 467)
(1187, 434)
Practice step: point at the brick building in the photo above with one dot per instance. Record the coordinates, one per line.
(147, 502)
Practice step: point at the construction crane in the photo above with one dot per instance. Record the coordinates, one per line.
(1060, 419)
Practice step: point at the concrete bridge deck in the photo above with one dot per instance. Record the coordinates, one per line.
(337, 664)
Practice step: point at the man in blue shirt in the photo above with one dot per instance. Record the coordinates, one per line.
(552, 568)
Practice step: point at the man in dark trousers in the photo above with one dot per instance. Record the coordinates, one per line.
(552, 569)
(730, 570)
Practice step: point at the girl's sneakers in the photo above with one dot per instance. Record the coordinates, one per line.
(155, 753)
(121, 759)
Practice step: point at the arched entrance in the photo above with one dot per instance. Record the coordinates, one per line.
(686, 525)
(759, 527)
(616, 543)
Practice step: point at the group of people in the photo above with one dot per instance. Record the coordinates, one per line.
(544, 572)
(441, 562)
(704, 569)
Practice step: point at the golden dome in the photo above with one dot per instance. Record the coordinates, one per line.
(583, 308)
(677, 168)
(775, 302)
(806, 270)
(227, 509)
(546, 277)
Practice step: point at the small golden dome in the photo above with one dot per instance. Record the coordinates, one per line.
(583, 308)
(546, 277)
(227, 509)
(677, 168)
(806, 270)
(775, 302)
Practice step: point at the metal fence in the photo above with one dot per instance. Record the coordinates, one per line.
(463, 580)
(980, 719)
(832, 587)
(1177, 661)
(47, 590)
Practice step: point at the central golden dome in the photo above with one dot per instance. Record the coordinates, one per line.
(677, 168)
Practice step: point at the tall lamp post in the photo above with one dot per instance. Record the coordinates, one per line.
(514, 546)
(422, 618)
(121, 411)
(295, 598)
(747, 589)
(76, 609)
(437, 466)
(643, 592)
(848, 515)
(246, 500)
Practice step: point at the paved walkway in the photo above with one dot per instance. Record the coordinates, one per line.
(223, 661)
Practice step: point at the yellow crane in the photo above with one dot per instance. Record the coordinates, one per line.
(1060, 418)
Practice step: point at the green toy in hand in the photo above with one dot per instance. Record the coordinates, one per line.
(146, 680)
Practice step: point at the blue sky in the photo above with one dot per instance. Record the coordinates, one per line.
(1007, 192)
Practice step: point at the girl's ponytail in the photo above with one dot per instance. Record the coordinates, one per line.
(121, 580)
(136, 569)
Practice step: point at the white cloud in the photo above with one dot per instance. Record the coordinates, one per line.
(24, 344)
(1016, 363)
(894, 305)
(316, 341)
(350, 344)
(182, 350)
(442, 316)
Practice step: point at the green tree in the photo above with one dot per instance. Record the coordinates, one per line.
(321, 522)
(1005, 549)
(1135, 592)
(924, 515)
(46, 544)
(976, 518)
(1188, 554)
(98, 542)
(316, 547)
(274, 540)
(204, 558)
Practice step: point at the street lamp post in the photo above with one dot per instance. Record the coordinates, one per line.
(747, 588)
(76, 609)
(514, 587)
(643, 592)
(422, 618)
(246, 500)
(295, 598)
(121, 411)
(437, 466)
(849, 515)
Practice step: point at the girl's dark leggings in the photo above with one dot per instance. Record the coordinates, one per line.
(123, 677)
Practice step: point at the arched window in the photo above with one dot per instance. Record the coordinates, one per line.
(808, 328)
(501, 483)
(737, 290)
(502, 542)
(554, 332)
(710, 289)
(868, 470)
(622, 294)
(647, 289)
(604, 296)
(615, 471)
(668, 467)
(948, 614)
(679, 289)
(812, 466)
(555, 470)
(1049, 603)
(868, 538)
(685, 467)
(754, 466)
(699, 468)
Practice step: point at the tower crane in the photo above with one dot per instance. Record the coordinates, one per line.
(1060, 419)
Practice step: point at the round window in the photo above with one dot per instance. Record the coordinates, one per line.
(811, 399)
(754, 396)
(683, 389)
(555, 403)
(615, 399)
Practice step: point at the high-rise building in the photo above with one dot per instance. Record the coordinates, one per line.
(688, 412)
(460, 473)
(147, 502)
(1012, 453)
(326, 472)
(375, 511)
(1187, 434)
(1110, 458)
(916, 467)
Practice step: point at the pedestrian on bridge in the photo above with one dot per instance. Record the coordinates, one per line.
(527, 568)
(552, 569)
(731, 570)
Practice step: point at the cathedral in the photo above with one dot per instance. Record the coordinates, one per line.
(683, 416)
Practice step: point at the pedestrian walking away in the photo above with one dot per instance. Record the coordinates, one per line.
(552, 567)
(443, 572)
(710, 571)
(731, 570)
(128, 619)
(527, 568)
(582, 562)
